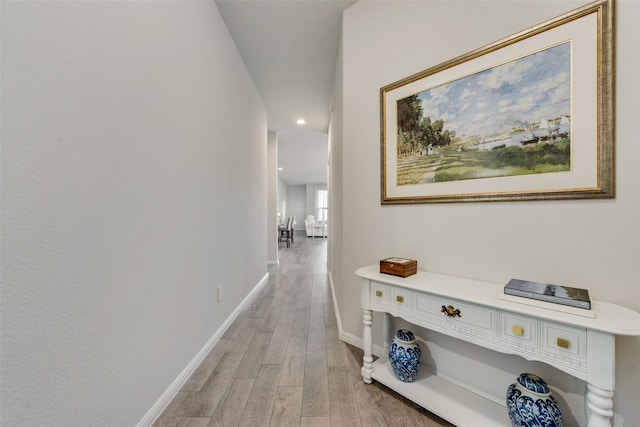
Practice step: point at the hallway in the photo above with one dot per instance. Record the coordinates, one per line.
(281, 363)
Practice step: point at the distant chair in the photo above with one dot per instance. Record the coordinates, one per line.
(286, 232)
(293, 227)
(282, 229)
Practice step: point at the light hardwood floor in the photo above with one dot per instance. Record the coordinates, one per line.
(281, 363)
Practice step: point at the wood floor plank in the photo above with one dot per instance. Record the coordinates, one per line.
(287, 407)
(373, 412)
(245, 334)
(344, 407)
(336, 352)
(230, 333)
(297, 346)
(194, 422)
(300, 326)
(287, 316)
(203, 403)
(316, 342)
(270, 319)
(293, 371)
(277, 348)
(304, 295)
(329, 311)
(229, 411)
(252, 359)
(294, 362)
(206, 367)
(170, 417)
(316, 333)
(315, 396)
(264, 305)
(259, 407)
(228, 365)
(315, 422)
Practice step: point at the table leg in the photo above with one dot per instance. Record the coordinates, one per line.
(599, 406)
(386, 332)
(367, 346)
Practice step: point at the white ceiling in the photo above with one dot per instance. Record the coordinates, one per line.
(290, 48)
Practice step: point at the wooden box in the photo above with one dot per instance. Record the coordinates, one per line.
(399, 266)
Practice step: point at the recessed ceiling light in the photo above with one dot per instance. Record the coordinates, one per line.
(300, 121)
(280, 169)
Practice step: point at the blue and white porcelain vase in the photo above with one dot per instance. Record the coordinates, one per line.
(530, 403)
(405, 356)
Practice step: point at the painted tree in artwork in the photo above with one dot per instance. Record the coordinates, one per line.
(416, 132)
(409, 111)
(409, 114)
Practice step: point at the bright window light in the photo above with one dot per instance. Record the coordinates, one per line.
(322, 204)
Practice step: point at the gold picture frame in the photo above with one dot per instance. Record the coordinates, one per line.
(434, 150)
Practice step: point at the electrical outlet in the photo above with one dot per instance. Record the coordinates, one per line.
(219, 294)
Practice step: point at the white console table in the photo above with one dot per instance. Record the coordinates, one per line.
(475, 312)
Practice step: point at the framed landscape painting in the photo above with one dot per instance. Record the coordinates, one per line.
(529, 117)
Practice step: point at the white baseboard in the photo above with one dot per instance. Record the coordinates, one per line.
(355, 341)
(335, 305)
(156, 410)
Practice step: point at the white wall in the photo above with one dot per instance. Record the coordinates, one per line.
(587, 243)
(133, 174)
(272, 197)
(296, 204)
(335, 243)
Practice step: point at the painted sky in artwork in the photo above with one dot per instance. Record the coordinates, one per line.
(514, 94)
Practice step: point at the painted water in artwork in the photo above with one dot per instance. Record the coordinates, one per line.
(512, 119)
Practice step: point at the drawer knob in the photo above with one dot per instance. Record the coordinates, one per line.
(378, 294)
(451, 311)
(562, 343)
(517, 330)
(399, 298)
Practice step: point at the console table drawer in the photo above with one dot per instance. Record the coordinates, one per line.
(380, 294)
(390, 297)
(459, 312)
(519, 329)
(564, 340)
(401, 298)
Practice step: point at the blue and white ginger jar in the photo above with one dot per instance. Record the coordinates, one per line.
(404, 356)
(530, 403)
